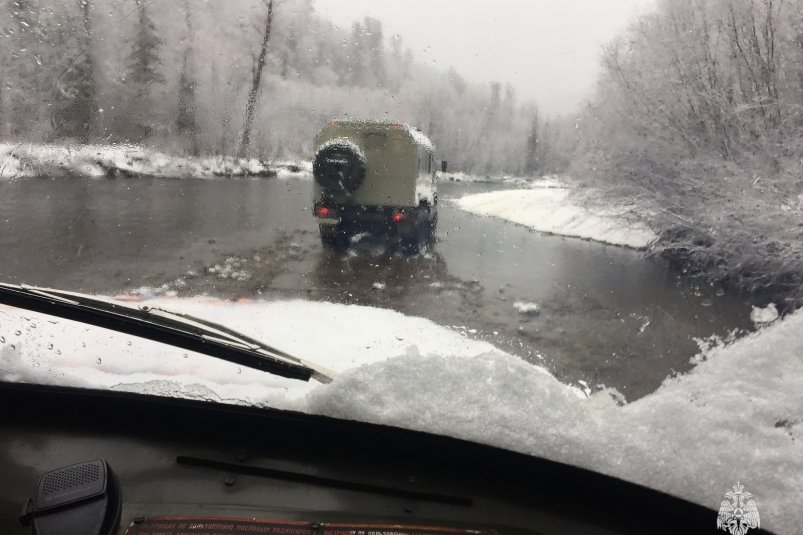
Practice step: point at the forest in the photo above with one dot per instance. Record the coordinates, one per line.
(697, 120)
(257, 79)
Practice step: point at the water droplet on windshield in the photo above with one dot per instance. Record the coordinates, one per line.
(239, 371)
(17, 333)
(38, 59)
(186, 355)
(2, 339)
(58, 352)
(98, 360)
(129, 343)
(50, 346)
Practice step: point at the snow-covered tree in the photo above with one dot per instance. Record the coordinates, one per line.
(25, 60)
(697, 115)
(256, 80)
(199, 84)
(143, 70)
(74, 110)
(533, 163)
(187, 110)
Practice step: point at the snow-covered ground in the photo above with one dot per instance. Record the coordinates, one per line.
(546, 207)
(512, 180)
(35, 160)
(737, 416)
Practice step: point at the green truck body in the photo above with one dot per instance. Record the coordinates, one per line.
(374, 176)
(399, 161)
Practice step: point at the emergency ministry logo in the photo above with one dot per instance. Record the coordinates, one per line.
(738, 513)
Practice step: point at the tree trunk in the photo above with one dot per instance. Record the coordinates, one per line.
(250, 106)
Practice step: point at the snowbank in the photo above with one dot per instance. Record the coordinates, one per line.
(763, 316)
(35, 160)
(738, 416)
(466, 177)
(550, 209)
(546, 181)
(293, 169)
(527, 309)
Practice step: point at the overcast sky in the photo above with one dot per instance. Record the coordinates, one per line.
(548, 49)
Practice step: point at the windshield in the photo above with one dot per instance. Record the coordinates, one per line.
(571, 229)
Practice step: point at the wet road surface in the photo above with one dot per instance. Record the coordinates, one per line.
(605, 315)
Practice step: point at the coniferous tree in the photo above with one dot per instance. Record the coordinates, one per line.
(532, 162)
(187, 112)
(143, 68)
(289, 54)
(75, 102)
(367, 54)
(356, 59)
(23, 72)
(375, 44)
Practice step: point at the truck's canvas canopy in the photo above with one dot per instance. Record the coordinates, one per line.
(398, 160)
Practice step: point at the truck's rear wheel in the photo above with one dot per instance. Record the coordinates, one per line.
(412, 238)
(431, 226)
(410, 247)
(336, 240)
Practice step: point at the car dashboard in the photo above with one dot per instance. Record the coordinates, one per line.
(186, 466)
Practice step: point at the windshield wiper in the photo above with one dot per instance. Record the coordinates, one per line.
(159, 325)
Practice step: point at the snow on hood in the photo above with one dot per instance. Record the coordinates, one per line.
(737, 416)
(56, 351)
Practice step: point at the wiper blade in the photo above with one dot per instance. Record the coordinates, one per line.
(159, 325)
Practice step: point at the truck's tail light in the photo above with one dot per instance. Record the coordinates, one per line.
(398, 216)
(324, 211)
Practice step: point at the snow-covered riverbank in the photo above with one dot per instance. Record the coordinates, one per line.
(36, 160)
(548, 208)
(735, 417)
(737, 229)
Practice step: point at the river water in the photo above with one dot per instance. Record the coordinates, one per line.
(606, 315)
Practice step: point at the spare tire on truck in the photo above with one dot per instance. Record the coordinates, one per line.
(339, 165)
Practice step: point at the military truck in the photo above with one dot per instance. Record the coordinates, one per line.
(374, 176)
